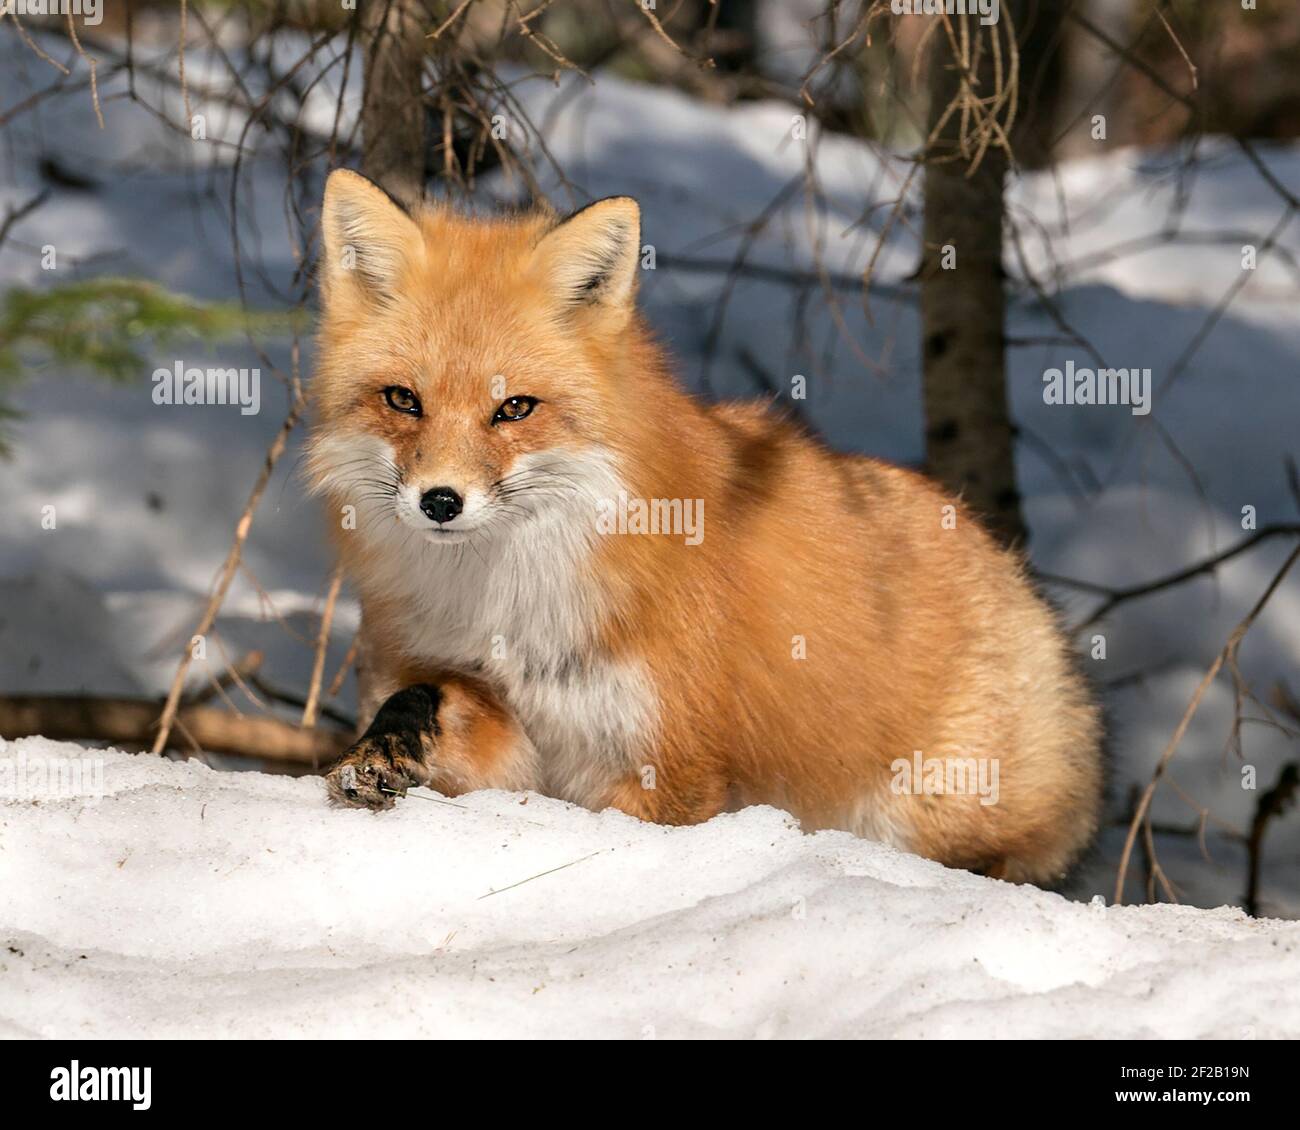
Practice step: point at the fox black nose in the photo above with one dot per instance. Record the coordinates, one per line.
(441, 504)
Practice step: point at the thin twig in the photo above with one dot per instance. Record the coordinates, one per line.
(322, 643)
(336, 684)
(92, 64)
(1141, 814)
(227, 573)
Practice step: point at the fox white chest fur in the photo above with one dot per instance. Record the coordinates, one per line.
(520, 607)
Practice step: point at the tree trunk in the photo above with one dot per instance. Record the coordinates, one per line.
(392, 106)
(968, 432)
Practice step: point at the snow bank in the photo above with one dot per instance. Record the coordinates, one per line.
(186, 902)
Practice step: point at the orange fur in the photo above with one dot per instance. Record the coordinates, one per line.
(678, 685)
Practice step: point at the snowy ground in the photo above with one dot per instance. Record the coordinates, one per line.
(188, 902)
(242, 893)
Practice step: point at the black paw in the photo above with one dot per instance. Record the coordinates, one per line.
(373, 773)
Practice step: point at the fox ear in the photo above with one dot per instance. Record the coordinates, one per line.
(368, 240)
(591, 257)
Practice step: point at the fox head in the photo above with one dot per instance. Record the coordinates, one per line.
(464, 378)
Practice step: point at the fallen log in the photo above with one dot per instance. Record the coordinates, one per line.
(135, 720)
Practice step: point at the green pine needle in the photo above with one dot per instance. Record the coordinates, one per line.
(106, 325)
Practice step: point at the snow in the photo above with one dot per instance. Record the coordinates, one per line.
(188, 902)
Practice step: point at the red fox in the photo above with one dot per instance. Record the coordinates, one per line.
(576, 578)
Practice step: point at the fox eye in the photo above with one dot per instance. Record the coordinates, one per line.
(403, 400)
(516, 408)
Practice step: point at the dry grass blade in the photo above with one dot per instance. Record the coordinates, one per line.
(541, 874)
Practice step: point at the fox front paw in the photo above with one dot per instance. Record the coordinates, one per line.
(374, 772)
